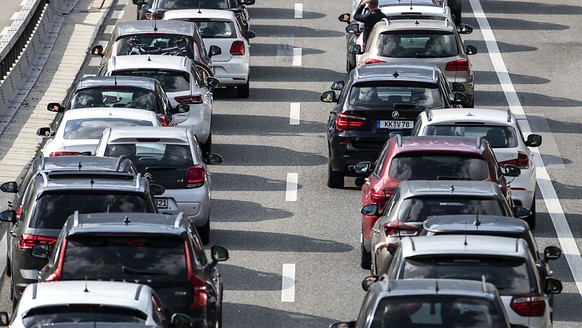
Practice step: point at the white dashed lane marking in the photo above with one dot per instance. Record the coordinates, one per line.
(297, 54)
(291, 193)
(288, 283)
(298, 10)
(294, 113)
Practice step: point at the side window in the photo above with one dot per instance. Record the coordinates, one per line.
(391, 202)
(27, 202)
(366, 311)
(198, 249)
(416, 131)
(165, 101)
(158, 310)
(57, 250)
(381, 161)
(393, 269)
(519, 130)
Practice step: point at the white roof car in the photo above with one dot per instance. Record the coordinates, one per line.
(80, 129)
(221, 28)
(190, 96)
(502, 130)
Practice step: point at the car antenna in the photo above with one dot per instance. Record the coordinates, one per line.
(114, 79)
(126, 220)
(465, 242)
(80, 166)
(395, 74)
(477, 222)
(86, 290)
(149, 58)
(436, 287)
(199, 11)
(452, 189)
(92, 182)
(410, 4)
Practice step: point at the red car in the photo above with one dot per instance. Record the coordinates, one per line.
(426, 158)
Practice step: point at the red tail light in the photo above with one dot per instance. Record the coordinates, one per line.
(29, 241)
(199, 285)
(63, 153)
(163, 120)
(379, 196)
(398, 228)
(56, 275)
(345, 122)
(522, 161)
(195, 176)
(529, 306)
(18, 212)
(374, 61)
(237, 48)
(457, 65)
(187, 100)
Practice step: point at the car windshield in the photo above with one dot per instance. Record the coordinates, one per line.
(131, 97)
(438, 167)
(171, 81)
(498, 136)
(436, 311)
(155, 43)
(216, 29)
(125, 258)
(93, 128)
(511, 276)
(80, 313)
(413, 45)
(389, 96)
(193, 4)
(418, 209)
(53, 209)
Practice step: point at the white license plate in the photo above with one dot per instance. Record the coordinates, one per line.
(394, 124)
(161, 203)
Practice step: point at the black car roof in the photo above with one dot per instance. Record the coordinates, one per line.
(126, 224)
(486, 223)
(162, 26)
(117, 81)
(389, 72)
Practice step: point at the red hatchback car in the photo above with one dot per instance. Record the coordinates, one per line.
(426, 158)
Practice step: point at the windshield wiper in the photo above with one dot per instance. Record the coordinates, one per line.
(126, 269)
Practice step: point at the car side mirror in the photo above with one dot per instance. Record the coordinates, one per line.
(213, 159)
(40, 251)
(179, 320)
(8, 216)
(459, 98)
(44, 132)
(9, 187)
(552, 286)
(470, 50)
(350, 324)
(464, 28)
(250, 35)
(55, 107)
(511, 170)
(458, 87)
(328, 97)
(353, 28)
(370, 210)
(369, 281)
(218, 254)
(364, 167)
(356, 49)
(212, 81)
(552, 253)
(521, 212)
(4, 319)
(156, 189)
(533, 140)
(344, 18)
(97, 50)
(214, 50)
(338, 85)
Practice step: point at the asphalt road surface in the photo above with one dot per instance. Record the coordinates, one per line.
(293, 242)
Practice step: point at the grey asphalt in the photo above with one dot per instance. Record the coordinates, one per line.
(319, 233)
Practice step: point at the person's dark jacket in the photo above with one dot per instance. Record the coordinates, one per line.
(369, 19)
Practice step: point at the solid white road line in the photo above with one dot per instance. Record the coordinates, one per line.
(565, 237)
(117, 14)
(3, 251)
(297, 53)
(108, 29)
(288, 283)
(94, 61)
(291, 193)
(294, 113)
(298, 10)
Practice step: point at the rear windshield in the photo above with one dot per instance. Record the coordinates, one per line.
(438, 167)
(125, 258)
(93, 128)
(216, 29)
(155, 44)
(511, 276)
(171, 81)
(416, 45)
(388, 96)
(52, 210)
(116, 97)
(437, 311)
(419, 209)
(81, 313)
(193, 4)
(498, 136)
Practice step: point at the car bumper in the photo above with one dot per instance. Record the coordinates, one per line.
(194, 203)
(232, 73)
(523, 188)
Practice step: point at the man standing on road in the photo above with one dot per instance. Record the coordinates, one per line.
(373, 16)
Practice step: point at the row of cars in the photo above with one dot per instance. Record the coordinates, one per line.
(120, 191)
(428, 164)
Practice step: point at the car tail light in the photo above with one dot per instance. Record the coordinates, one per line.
(379, 196)
(56, 275)
(522, 161)
(18, 212)
(195, 176)
(529, 306)
(29, 241)
(163, 120)
(187, 100)
(345, 122)
(63, 153)
(199, 285)
(457, 65)
(400, 229)
(237, 48)
(374, 61)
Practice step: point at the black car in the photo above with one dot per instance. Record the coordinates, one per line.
(375, 101)
(160, 250)
(49, 199)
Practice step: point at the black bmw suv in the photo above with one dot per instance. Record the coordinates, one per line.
(160, 250)
(374, 102)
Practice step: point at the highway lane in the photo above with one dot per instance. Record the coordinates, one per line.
(316, 235)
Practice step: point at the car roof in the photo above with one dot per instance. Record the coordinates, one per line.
(80, 180)
(206, 14)
(473, 245)
(410, 188)
(470, 115)
(148, 26)
(440, 144)
(165, 134)
(104, 112)
(419, 24)
(407, 287)
(117, 81)
(126, 224)
(476, 223)
(390, 72)
(416, 9)
(383, 3)
(123, 294)
(78, 163)
(156, 62)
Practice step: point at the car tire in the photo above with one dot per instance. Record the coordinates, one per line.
(531, 220)
(334, 179)
(204, 232)
(243, 91)
(365, 258)
(206, 147)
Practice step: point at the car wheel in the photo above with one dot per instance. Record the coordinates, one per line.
(365, 257)
(334, 179)
(204, 232)
(531, 220)
(243, 91)
(207, 146)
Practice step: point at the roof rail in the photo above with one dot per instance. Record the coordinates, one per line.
(76, 219)
(119, 160)
(516, 245)
(42, 162)
(34, 290)
(137, 292)
(412, 243)
(478, 143)
(398, 137)
(77, 174)
(179, 218)
(508, 115)
(483, 284)
(428, 112)
(137, 179)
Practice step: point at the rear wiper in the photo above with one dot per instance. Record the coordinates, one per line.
(126, 269)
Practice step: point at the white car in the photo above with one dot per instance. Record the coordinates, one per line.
(190, 97)
(221, 28)
(502, 130)
(171, 158)
(89, 303)
(80, 129)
